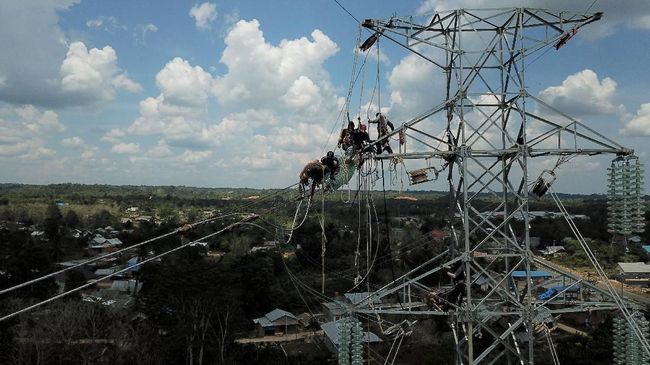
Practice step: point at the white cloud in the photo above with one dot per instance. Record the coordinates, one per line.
(161, 150)
(40, 121)
(107, 23)
(192, 157)
(184, 85)
(113, 136)
(126, 148)
(302, 93)
(639, 124)
(203, 15)
(260, 71)
(24, 132)
(88, 154)
(92, 75)
(275, 99)
(73, 142)
(410, 84)
(123, 82)
(583, 94)
(142, 30)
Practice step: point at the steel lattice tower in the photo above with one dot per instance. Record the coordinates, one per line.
(490, 136)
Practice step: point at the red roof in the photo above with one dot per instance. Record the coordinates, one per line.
(436, 233)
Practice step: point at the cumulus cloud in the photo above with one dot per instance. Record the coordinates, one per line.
(274, 98)
(113, 136)
(24, 132)
(639, 124)
(126, 148)
(192, 157)
(276, 68)
(93, 75)
(410, 84)
(203, 15)
(184, 85)
(583, 94)
(73, 142)
(160, 150)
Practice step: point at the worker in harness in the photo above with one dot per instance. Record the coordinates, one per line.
(314, 171)
(331, 162)
(345, 138)
(382, 129)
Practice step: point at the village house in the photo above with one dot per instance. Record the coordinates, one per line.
(276, 322)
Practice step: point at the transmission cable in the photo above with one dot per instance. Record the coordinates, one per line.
(93, 282)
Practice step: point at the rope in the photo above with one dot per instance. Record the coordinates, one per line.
(346, 10)
(323, 240)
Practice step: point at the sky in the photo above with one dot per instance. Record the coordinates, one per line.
(244, 93)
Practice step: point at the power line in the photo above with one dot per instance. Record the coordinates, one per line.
(93, 282)
(346, 10)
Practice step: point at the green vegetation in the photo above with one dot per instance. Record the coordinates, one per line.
(194, 303)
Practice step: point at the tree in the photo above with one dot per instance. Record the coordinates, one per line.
(71, 219)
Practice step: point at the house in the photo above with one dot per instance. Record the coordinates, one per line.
(114, 241)
(332, 340)
(634, 273)
(335, 310)
(127, 286)
(277, 321)
(537, 276)
(552, 250)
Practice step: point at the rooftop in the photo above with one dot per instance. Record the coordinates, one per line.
(634, 267)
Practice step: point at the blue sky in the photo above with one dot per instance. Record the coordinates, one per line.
(243, 93)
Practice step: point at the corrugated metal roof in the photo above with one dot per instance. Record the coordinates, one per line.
(634, 267)
(263, 321)
(331, 330)
(336, 307)
(278, 313)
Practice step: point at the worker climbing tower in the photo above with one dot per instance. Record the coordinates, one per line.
(492, 140)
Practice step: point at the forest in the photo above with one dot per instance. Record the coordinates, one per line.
(193, 306)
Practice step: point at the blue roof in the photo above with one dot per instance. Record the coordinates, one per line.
(133, 264)
(646, 248)
(533, 274)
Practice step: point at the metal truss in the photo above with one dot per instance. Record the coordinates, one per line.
(489, 139)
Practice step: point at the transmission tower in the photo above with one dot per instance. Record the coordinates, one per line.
(493, 130)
